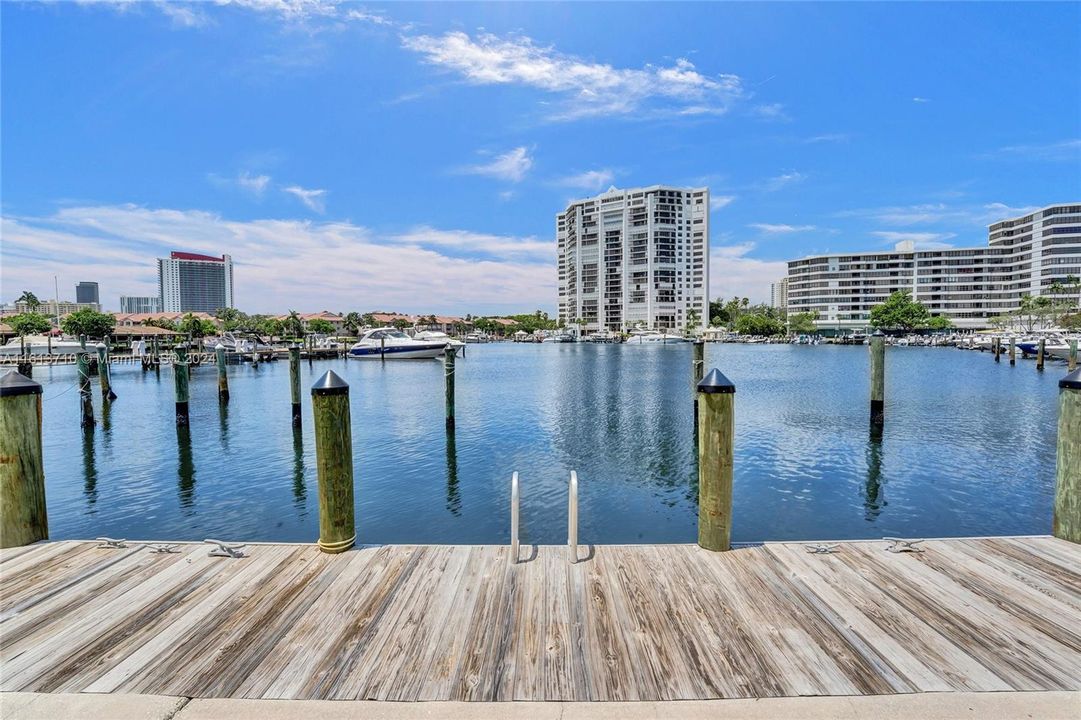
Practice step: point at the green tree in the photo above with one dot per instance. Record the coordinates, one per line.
(401, 323)
(803, 323)
(369, 319)
(31, 300)
(196, 327)
(88, 322)
(939, 322)
(694, 319)
(271, 327)
(164, 323)
(1000, 322)
(231, 319)
(319, 326)
(292, 325)
(352, 323)
(758, 324)
(29, 323)
(1033, 311)
(900, 312)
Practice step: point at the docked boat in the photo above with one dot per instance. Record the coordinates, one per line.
(477, 337)
(437, 336)
(562, 338)
(392, 343)
(654, 337)
(39, 345)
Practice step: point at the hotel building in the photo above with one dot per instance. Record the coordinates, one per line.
(139, 304)
(1024, 256)
(635, 258)
(778, 295)
(189, 282)
(87, 293)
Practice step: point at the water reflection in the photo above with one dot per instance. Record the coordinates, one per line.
(874, 497)
(185, 467)
(300, 490)
(90, 470)
(454, 498)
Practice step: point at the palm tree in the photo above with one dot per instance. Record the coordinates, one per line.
(293, 326)
(31, 300)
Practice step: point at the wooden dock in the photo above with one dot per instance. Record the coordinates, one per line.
(462, 623)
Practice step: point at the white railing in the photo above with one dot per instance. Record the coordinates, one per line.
(514, 518)
(572, 519)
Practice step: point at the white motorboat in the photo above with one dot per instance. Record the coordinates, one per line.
(477, 337)
(561, 338)
(39, 345)
(654, 337)
(392, 343)
(437, 336)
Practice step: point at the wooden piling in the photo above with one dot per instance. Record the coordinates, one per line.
(223, 378)
(448, 377)
(294, 381)
(1067, 518)
(103, 372)
(878, 379)
(716, 435)
(180, 384)
(698, 361)
(996, 348)
(23, 519)
(1071, 363)
(1013, 351)
(1040, 353)
(334, 462)
(82, 363)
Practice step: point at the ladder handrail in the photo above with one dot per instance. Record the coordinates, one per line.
(572, 518)
(514, 518)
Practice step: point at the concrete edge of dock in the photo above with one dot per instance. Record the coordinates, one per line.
(923, 706)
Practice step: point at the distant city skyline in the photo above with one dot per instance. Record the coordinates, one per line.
(412, 156)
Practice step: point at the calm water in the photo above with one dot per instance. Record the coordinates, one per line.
(969, 448)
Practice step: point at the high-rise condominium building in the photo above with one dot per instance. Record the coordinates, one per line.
(778, 294)
(1026, 255)
(635, 258)
(137, 304)
(87, 292)
(188, 282)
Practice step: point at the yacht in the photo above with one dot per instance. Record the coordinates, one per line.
(560, 338)
(653, 337)
(436, 336)
(394, 344)
(39, 345)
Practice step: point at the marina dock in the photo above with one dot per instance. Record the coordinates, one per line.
(622, 623)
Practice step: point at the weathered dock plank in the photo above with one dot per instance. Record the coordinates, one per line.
(462, 623)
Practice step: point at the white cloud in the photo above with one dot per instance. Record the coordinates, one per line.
(732, 273)
(182, 14)
(920, 100)
(780, 228)
(771, 111)
(934, 213)
(827, 138)
(288, 9)
(586, 88)
(716, 202)
(512, 166)
(474, 243)
(314, 199)
(591, 180)
(356, 268)
(255, 184)
(1060, 150)
(783, 180)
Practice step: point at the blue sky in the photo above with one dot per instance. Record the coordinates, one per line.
(412, 157)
